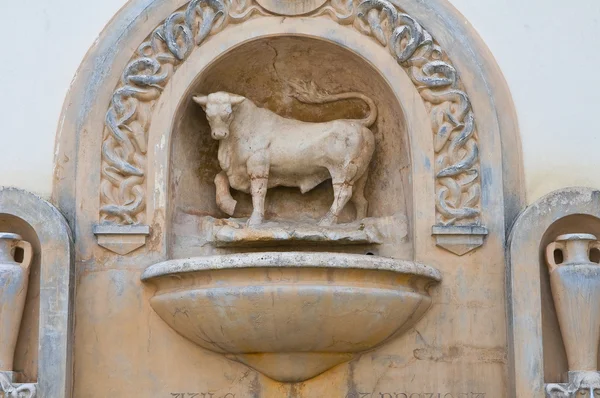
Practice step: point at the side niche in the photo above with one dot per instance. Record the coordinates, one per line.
(556, 241)
(35, 298)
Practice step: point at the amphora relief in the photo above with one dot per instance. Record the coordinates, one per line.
(575, 281)
(14, 280)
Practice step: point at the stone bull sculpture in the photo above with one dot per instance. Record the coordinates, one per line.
(259, 149)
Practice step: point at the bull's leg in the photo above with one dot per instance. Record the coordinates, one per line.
(224, 200)
(342, 192)
(358, 197)
(258, 170)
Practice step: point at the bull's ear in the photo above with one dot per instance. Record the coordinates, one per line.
(236, 99)
(202, 100)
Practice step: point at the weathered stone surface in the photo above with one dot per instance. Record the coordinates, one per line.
(459, 239)
(581, 383)
(457, 155)
(121, 239)
(559, 230)
(10, 389)
(575, 282)
(48, 230)
(440, 99)
(291, 7)
(14, 281)
(259, 149)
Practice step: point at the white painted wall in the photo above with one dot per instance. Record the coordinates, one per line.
(44, 43)
(547, 49)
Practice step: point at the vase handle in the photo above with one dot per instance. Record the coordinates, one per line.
(27, 253)
(595, 245)
(550, 254)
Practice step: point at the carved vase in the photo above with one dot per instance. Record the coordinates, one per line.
(14, 278)
(575, 283)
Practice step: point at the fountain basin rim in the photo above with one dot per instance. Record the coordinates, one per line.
(289, 260)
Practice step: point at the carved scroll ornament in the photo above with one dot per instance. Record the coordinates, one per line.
(9, 389)
(124, 151)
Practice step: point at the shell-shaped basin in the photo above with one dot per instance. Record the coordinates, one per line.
(290, 315)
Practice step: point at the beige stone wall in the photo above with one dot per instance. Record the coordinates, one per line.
(555, 103)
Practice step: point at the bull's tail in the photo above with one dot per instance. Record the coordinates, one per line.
(309, 93)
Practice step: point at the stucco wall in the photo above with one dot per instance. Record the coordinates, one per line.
(545, 49)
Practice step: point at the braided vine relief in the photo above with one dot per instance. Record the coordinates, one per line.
(124, 150)
(128, 118)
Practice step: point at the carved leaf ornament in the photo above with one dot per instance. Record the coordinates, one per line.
(124, 150)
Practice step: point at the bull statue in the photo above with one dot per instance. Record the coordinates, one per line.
(259, 149)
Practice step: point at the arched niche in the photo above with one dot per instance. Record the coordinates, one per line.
(538, 355)
(473, 287)
(218, 66)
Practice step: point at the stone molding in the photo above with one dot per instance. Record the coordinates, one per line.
(123, 186)
(526, 364)
(56, 294)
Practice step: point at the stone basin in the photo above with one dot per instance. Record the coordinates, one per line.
(290, 315)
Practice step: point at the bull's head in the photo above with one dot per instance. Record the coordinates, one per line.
(219, 111)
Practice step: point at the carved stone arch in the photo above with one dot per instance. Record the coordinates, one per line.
(92, 195)
(129, 117)
(457, 172)
(160, 132)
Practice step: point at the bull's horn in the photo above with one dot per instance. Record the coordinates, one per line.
(201, 99)
(236, 99)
